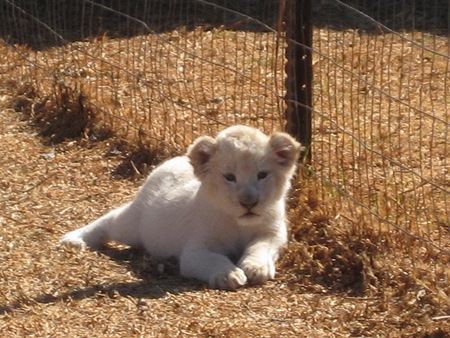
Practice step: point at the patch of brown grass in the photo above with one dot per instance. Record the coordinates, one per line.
(329, 252)
(60, 116)
(325, 284)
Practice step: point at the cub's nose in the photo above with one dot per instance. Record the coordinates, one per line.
(248, 202)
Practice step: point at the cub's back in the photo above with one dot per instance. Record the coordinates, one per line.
(169, 179)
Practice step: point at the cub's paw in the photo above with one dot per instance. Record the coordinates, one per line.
(258, 271)
(229, 280)
(73, 239)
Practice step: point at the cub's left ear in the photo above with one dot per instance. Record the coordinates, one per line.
(200, 152)
(286, 148)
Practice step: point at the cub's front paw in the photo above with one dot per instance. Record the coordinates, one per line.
(258, 271)
(229, 280)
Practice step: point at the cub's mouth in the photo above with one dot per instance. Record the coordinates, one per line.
(249, 214)
(249, 219)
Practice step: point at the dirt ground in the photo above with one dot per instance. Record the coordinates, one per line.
(48, 290)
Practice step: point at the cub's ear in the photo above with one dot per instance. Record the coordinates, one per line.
(200, 153)
(286, 149)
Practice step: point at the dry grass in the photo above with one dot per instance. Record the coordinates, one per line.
(383, 120)
(161, 88)
(344, 273)
(50, 290)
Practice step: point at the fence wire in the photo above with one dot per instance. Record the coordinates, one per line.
(166, 71)
(382, 117)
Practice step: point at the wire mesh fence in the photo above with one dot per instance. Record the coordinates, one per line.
(382, 114)
(160, 73)
(170, 70)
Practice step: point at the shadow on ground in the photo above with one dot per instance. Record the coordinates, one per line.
(50, 23)
(157, 278)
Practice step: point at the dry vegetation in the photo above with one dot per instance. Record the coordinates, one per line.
(119, 110)
(330, 283)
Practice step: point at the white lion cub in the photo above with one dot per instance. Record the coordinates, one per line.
(220, 209)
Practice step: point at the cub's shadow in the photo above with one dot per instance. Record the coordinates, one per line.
(156, 279)
(157, 276)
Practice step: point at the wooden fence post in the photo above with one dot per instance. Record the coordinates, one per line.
(299, 72)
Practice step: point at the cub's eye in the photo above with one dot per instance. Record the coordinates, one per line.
(262, 175)
(230, 177)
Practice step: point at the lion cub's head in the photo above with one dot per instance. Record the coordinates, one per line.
(244, 172)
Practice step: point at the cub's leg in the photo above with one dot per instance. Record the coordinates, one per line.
(258, 260)
(213, 268)
(120, 225)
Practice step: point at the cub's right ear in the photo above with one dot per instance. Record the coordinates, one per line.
(200, 152)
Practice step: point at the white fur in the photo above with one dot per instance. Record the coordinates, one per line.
(215, 209)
